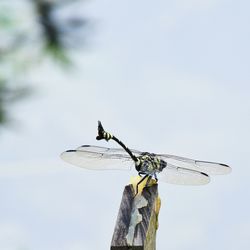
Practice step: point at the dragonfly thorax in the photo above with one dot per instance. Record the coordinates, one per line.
(150, 164)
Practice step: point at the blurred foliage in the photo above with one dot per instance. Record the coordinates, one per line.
(29, 31)
(60, 30)
(8, 95)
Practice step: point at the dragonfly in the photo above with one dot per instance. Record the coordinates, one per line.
(169, 168)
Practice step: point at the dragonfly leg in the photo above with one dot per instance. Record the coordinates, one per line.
(140, 173)
(148, 180)
(137, 185)
(155, 176)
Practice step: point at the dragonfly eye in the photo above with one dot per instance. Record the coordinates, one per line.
(138, 162)
(163, 164)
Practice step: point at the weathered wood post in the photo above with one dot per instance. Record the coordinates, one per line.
(137, 219)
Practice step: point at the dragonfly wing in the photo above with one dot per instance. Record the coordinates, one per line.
(98, 158)
(183, 176)
(210, 168)
(109, 152)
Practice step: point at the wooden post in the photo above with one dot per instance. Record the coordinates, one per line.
(137, 219)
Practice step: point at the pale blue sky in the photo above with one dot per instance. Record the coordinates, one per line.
(164, 76)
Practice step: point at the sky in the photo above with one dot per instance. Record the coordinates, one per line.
(165, 77)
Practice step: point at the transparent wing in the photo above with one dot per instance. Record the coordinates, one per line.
(210, 168)
(114, 153)
(183, 176)
(99, 158)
